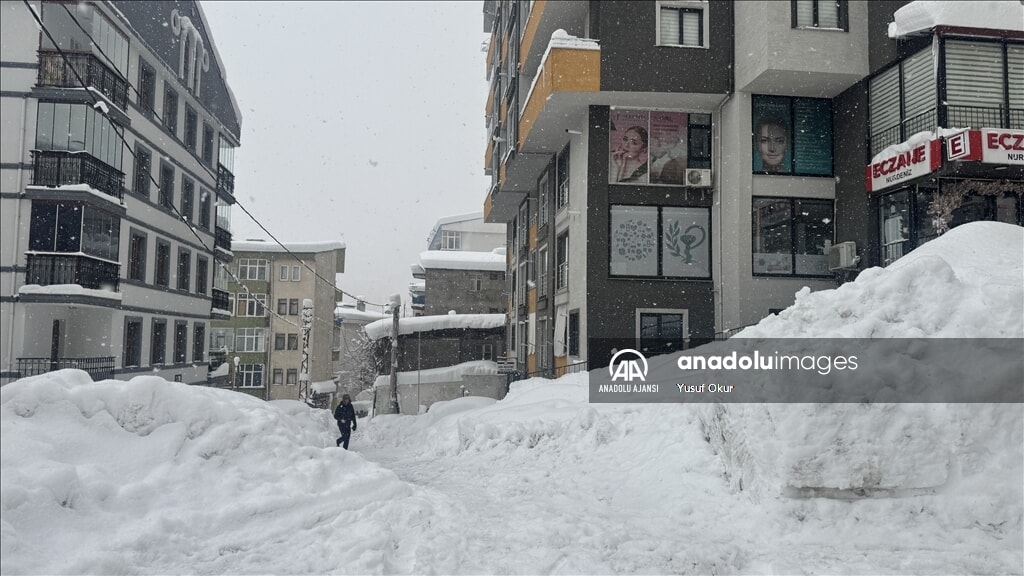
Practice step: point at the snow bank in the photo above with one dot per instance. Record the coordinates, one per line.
(927, 14)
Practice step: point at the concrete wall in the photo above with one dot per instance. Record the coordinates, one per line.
(450, 290)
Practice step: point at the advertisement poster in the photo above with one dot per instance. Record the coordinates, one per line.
(686, 242)
(669, 150)
(634, 244)
(628, 140)
(812, 137)
(771, 146)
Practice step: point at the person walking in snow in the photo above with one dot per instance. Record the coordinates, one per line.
(345, 414)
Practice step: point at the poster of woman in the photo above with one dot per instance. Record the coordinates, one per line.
(668, 148)
(629, 138)
(772, 139)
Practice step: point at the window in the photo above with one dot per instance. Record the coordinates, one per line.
(682, 23)
(791, 236)
(132, 355)
(143, 166)
(293, 376)
(166, 185)
(188, 198)
(180, 342)
(147, 87)
(574, 333)
(251, 304)
(222, 340)
(293, 341)
(163, 264)
(562, 178)
(207, 144)
(543, 345)
(250, 340)
(278, 377)
(170, 109)
(158, 343)
(252, 269)
(451, 240)
(73, 227)
(184, 269)
(475, 283)
(137, 257)
(820, 14)
(562, 261)
(660, 241)
(543, 191)
(296, 273)
(191, 128)
(204, 209)
(542, 272)
(202, 272)
(279, 341)
(487, 351)
(661, 331)
(902, 100)
(78, 128)
(283, 277)
(250, 375)
(198, 341)
(673, 141)
(792, 135)
(282, 306)
(293, 307)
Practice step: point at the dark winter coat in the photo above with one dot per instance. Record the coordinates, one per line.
(345, 414)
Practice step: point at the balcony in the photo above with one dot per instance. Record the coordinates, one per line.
(222, 239)
(98, 368)
(225, 182)
(52, 269)
(221, 301)
(60, 168)
(55, 71)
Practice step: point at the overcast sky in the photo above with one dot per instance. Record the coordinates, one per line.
(361, 122)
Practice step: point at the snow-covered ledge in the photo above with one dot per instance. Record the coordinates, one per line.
(923, 15)
(69, 290)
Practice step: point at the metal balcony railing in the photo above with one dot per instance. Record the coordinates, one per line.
(225, 181)
(59, 168)
(54, 70)
(975, 117)
(51, 269)
(221, 300)
(99, 368)
(222, 239)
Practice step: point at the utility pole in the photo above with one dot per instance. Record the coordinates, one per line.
(396, 309)
(307, 324)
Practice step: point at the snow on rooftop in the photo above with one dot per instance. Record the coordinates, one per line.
(443, 374)
(354, 315)
(297, 247)
(84, 188)
(463, 260)
(412, 325)
(921, 15)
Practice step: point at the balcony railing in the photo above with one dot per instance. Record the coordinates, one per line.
(99, 368)
(956, 117)
(225, 181)
(221, 300)
(51, 269)
(974, 117)
(54, 70)
(222, 239)
(59, 168)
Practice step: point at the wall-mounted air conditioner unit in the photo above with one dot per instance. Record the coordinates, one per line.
(843, 256)
(698, 178)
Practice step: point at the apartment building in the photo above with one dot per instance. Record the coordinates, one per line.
(116, 187)
(674, 170)
(268, 285)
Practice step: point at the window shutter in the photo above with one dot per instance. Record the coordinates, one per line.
(828, 14)
(919, 84)
(974, 74)
(1015, 65)
(805, 12)
(884, 98)
(691, 28)
(669, 33)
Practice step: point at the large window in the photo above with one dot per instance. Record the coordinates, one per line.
(661, 331)
(222, 340)
(574, 333)
(143, 166)
(202, 273)
(252, 269)
(984, 84)
(163, 264)
(451, 240)
(170, 108)
(543, 196)
(682, 23)
(820, 14)
(791, 236)
(293, 341)
(250, 340)
(89, 28)
(184, 269)
(180, 342)
(132, 355)
(562, 179)
(250, 375)
(293, 377)
(660, 241)
(191, 128)
(188, 198)
(72, 227)
(78, 128)
(562, 261)
(204, 209)
(251, 304)
(902, 101)
(792, 136)
(656, 147)
(279, 341)
(166, 185)
(137, 257)
(147, 87)
(207, 144)
(158, 343)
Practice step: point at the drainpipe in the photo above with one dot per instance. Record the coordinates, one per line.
(14, 244)
(719, 305)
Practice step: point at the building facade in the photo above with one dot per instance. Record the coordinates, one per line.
(268, 286)
(672, 171)
(116, 187)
